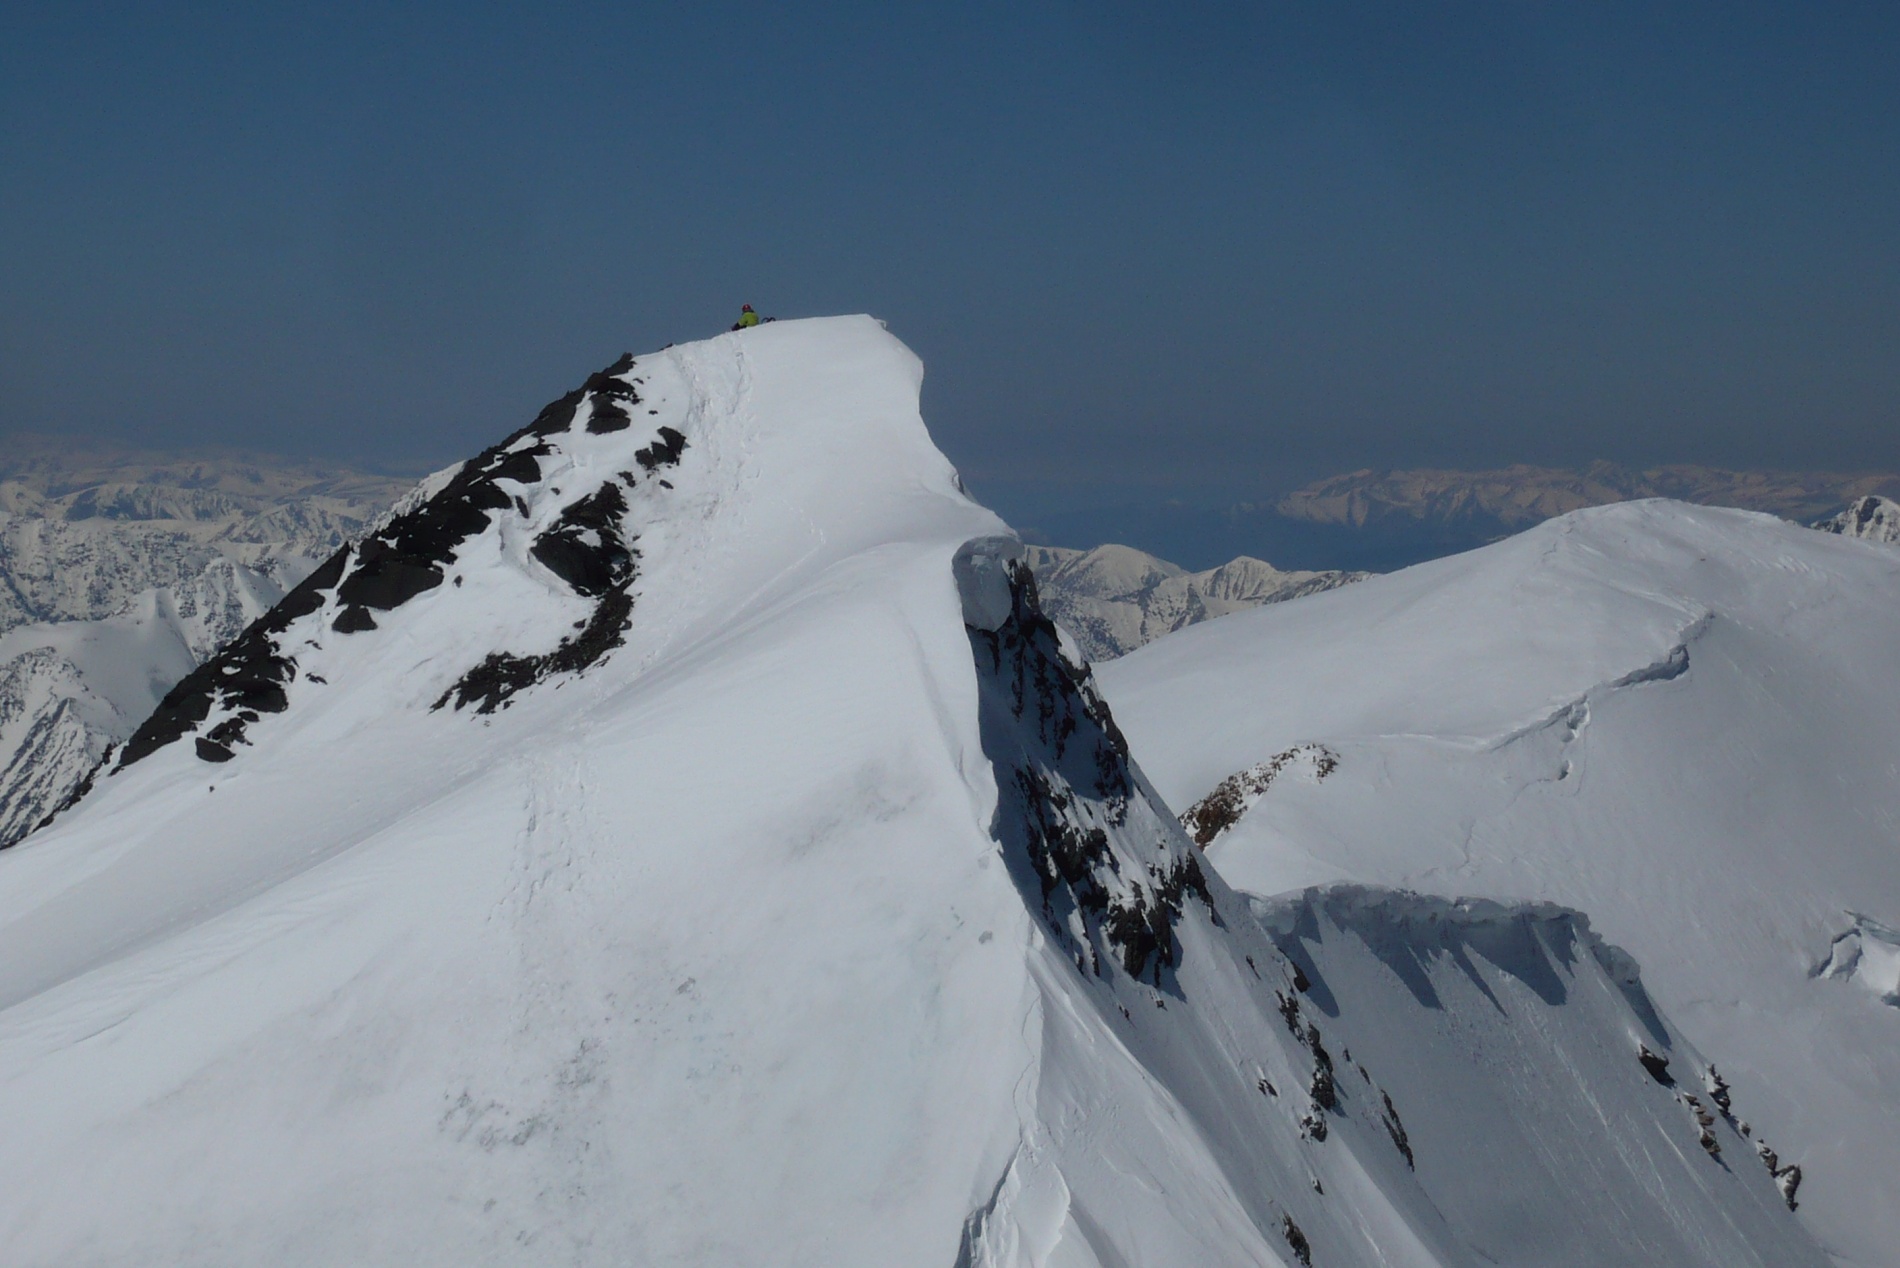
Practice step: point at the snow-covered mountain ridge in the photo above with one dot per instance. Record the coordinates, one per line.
(1676, 719)
(682, 838)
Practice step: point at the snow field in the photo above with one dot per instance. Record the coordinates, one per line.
(1676, 719)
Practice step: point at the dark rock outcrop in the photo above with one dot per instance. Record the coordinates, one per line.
(1066, 782)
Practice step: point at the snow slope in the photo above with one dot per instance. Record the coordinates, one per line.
(1490, 1024)
(1678, 719)
(681, 839)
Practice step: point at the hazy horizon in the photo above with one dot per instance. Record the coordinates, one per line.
(1195, 532)
(1208, 253)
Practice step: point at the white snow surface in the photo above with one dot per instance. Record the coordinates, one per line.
(1678, 719)
(809, 927)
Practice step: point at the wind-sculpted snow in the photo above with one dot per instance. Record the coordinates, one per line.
(1676, 718)
(1868, 955)
(825, 918)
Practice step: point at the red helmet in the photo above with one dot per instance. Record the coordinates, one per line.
(745, 308)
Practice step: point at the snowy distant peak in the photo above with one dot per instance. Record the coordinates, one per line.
(51, 726)
(413, 550)
(75, 481)
(244, 679)
(70, 690)
(1103, 570)
(1115, 598)
(121, 570)
(1872, 518)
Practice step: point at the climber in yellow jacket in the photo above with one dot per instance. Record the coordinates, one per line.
(747, 318)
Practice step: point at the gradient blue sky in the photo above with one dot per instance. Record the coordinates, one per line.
(1146, 250)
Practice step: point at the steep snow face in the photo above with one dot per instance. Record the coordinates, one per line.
(1509, 1034)
(1872, 518)
(1677, 719)
(680, 838)
(1115, 599)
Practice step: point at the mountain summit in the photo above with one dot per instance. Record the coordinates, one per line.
(678, 836)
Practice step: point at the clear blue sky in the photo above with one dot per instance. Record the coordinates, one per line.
(1145, 249)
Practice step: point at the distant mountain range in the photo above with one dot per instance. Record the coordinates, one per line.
(1114, 599)
(1511, 498)
(85, 530)
(1383, 520)
(122, 570)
